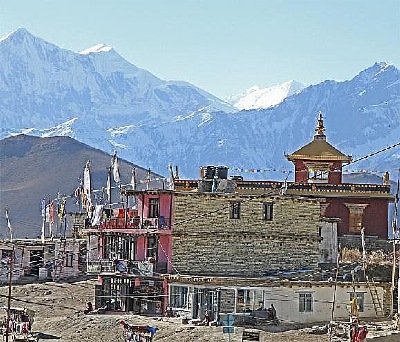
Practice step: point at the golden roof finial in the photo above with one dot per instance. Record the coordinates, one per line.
(320, 127)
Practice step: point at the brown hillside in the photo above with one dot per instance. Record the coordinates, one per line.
(32, 168)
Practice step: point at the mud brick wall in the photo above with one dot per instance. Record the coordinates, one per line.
(387, 299)
(206, 241)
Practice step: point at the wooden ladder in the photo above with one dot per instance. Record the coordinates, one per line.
(375, 298)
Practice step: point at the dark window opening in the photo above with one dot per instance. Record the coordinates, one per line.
(305, 302)
(154, 208)
(235, 210)
(268, 211)
(152, 247)
(69, 258)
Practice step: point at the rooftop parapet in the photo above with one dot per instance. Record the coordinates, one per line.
(316, 189)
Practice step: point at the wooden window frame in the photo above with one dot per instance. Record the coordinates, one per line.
(356, 212)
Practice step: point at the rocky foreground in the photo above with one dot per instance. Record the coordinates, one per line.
(59, 317)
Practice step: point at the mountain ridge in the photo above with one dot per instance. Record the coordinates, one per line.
(97, 99)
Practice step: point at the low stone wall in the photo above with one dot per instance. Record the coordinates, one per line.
(372, 243)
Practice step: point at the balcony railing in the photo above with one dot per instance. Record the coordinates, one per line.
(161, 222)
(139, 268)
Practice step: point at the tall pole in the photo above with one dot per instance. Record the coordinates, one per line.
(396, 236)
(43, 229)
(109, 186)
(9, 294)
(398, 291)
(393, 273)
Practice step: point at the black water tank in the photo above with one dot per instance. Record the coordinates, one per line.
(207, 172)
(222, 172)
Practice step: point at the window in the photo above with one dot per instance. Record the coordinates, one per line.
(355, 222)
(178, 296)
(152, 247)
(6, 255)
(235, 210)
(250, 300)
(243, 302)
(119, 247)
(268, 211)
(69, 258)
(305, 302)
(154, 208)
(359, 300)
(355, 216)
(318, 176)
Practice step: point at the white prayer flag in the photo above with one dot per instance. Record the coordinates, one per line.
(87, 180)
(9, 225)
(115, 167)
(98, 214)
(133, 180)
(109, 186)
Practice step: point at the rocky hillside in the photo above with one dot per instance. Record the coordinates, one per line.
(34, 168)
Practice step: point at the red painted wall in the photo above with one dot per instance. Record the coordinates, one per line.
(141, 245)
(165, 250)
(301, 172)
(165, 204)
(165, 241)
(335, 174)
(375, 216)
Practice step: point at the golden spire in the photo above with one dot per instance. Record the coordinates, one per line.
(320, 128)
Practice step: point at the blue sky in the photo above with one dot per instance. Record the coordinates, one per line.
(223, 46)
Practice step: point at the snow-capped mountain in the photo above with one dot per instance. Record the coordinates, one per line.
(261, 98)
(104, 101)
(47, 85)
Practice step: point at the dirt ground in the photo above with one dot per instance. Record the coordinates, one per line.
(59, 317)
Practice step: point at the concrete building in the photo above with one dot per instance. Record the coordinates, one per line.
(248, 299)
(33, 260)
(129, 248)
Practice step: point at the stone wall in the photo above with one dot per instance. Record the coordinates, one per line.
(227, 301)
(206, 241)
(372, 243)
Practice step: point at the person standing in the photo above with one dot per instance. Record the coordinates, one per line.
(273, 311)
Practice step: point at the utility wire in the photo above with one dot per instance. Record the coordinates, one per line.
(373, 154)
